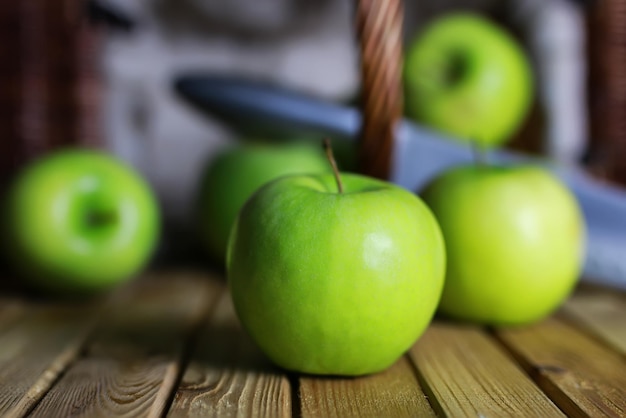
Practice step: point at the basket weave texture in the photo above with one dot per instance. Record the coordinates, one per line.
(49, 84)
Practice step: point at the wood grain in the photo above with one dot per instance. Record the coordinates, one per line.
(172, 345)
(132, 364)
(35, 349)
(466, 373)
(394, 392)
(602, 312)
(581, 375)
(228, 376)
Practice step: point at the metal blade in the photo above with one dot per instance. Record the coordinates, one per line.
(419, 154)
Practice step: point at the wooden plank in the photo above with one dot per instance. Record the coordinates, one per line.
(602, 312)
(132, 364)
(228, 376)
(581, 375)
(37, 347)
(10, 311)
(466, 373)
(394, 392)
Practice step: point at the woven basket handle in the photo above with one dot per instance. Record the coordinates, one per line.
(379, 32)
(607, 73)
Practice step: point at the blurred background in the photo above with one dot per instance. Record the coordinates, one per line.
(99, 74)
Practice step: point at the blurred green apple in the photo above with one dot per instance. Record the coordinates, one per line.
(237, 172)
(469, 78)
(80, 221)
(336, 283)
(514, 239)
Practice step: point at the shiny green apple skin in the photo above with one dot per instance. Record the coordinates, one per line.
(467, 77)
(80, 222)
(335, 284)
(235, 173)
(514, 241)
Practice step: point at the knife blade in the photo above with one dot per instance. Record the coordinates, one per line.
(418, 154)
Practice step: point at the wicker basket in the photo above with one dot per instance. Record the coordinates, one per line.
(379, 30)
(379, 27)
(50, 87)
(607, 88)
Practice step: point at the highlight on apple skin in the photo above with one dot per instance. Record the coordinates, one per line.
(79, 222)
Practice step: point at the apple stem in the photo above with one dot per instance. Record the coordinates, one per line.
(333, 164)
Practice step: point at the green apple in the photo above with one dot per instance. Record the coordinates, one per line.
(469, 78)
(336, 283)
(235, 173)
(79, 221)
(514, 239)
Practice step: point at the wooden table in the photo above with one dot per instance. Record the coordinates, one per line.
(169, 344)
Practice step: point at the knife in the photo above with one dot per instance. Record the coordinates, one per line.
(418, 154)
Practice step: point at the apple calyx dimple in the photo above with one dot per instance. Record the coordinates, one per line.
(446, 72)
(455, 68)
(331, 158)
(98, 218)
